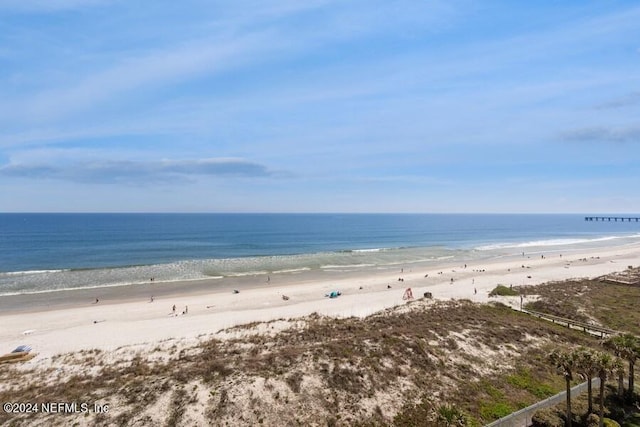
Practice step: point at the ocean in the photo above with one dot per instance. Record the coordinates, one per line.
(44, 252)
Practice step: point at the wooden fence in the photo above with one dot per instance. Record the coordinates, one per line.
(523, 417)
(574, 324)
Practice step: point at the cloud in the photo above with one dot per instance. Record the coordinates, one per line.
(632, 98)
(238, 39)
(136, 172)
(157, 68)
(603, 134)
(45, 6)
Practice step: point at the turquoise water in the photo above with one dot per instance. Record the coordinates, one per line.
(41, 252)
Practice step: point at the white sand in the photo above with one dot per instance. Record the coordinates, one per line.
(131, 322)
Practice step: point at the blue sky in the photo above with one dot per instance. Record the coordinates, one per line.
(319, 106)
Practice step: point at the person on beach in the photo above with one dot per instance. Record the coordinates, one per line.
(97, 301)
(174, 309)
(151, 298)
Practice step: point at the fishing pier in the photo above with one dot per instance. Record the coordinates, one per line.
(612, 218)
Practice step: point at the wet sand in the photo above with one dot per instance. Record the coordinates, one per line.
(65, 321)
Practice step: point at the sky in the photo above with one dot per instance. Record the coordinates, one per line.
(320, 106)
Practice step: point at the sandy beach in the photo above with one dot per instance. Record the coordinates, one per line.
(68, 321)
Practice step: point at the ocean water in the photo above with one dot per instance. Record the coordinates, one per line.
(42, 252)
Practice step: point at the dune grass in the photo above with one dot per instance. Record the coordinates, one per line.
(482, 361)
(502, 290)
(610, 305)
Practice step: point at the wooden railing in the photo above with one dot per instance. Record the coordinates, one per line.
(524, 417)
(598, 331)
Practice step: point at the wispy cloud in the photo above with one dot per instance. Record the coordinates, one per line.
(381, 97)
(44, 6)
(161, 67)
(630, 99)
(246, 39)
(137, 172)
(603, 134)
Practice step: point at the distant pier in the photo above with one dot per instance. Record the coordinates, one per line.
(612, 218)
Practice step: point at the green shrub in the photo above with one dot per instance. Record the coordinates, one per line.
(449, 415)
(632, 421)
(608, 422)
(547, 418)
(502, 290)
(493, 411)
(494, 393)
(525, 381)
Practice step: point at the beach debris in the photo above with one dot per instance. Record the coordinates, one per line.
(428, 295)
(408, 294)
(333, 294)
(21, 353)
(28, 332)
(235, 291)
(284, 297)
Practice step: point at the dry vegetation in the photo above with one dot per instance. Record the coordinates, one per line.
(393, 368)
(614, 306)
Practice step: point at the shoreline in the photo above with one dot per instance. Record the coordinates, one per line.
(66, 321)
(188, 273)
(54, 299)
(116, 294)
